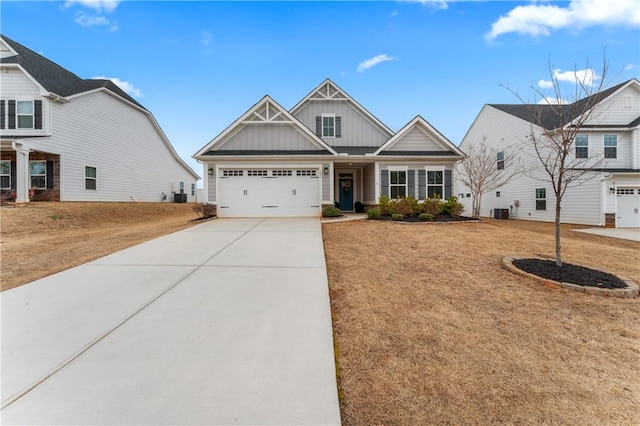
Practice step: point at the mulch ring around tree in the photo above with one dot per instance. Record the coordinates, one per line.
(573, 277)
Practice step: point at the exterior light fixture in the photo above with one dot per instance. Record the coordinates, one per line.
(210, 171)
(326, 170)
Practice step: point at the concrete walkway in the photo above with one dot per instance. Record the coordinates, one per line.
(632, 234)
(227, 322)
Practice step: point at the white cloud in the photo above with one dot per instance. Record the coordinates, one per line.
(124, 85)
(630, 67)
(545, 84)
(540, 19)
(438, 4)
(365, 65)
(99, 6)
(587, 77)
(86, 20)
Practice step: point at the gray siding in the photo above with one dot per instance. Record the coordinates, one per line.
(369, 184)
(211, 184)
(356, 130)
(326, 184)
(268, 137)
(416, 140)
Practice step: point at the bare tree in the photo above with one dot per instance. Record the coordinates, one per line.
(485, 170)
(556, 124)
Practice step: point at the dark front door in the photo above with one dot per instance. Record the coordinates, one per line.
(346, 194)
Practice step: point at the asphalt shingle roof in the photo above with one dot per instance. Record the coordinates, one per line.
(55, 78)
(554, 116)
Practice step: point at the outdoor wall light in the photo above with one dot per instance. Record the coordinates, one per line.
(612, 189)
(210, 171)
(326, 170)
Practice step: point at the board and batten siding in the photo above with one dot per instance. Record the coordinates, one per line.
(326, 183)
(369, 187)
(15, 85)
(416, 140)
(356, 129)
(270, 137)
(132, 161)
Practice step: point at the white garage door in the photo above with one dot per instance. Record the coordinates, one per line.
(269, 192)
(628, 206)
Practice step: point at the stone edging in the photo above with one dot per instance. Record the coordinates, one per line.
(632, 289)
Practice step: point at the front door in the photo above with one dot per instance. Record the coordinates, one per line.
(346, 194)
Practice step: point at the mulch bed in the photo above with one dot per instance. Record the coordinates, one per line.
(569, 273)
(438, 218)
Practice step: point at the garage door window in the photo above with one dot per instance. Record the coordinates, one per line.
(625, 191)
(257, 173)
(282, 173)
(229, 173)
(305, 172)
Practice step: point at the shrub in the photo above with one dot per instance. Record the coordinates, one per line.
(204, 210)
(397, 216)
(403, 206)
(373, 214)
(425, 217)
(385, 205)
(432, 206)
(452, 206)
(331, 211)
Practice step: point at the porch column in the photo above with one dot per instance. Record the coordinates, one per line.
(22, 173)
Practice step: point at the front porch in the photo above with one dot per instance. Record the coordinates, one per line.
(353, 186)
(28, 175)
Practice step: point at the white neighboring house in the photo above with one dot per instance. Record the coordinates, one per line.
(64, 138)
(327, 150)
(611, 197)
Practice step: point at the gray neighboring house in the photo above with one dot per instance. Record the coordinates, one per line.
(327, 150)
(64, 138)
(611, 195)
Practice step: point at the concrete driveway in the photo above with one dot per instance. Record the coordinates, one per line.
(227, 322)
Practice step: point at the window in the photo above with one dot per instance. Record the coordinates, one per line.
(435, 184)
(283, 173)
(497, 194)
(328, 126)
(193, 189)
(229, 173)
(582, 146)
(38, 173)
(90, 178)
(5, 174)
(24, 113)
(305, 172)
(500, 160)
(398, 183)
(610, 146)
(256, 173)
(541, 199)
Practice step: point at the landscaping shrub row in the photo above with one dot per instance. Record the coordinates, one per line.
(408, 208)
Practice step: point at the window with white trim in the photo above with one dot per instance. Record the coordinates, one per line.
(5, 174)
(610, 146)
(582, 146)
(328, 125)
(435, 184)
(90, 178)
(541, 198)
(500, 160)
(38, 174)
(24, 114)
(397, 183)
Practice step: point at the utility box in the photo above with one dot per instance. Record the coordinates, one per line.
(179, 198)
(501, 213)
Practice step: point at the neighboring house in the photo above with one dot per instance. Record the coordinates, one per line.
(64, 138)
(611, 195)
(327, 150)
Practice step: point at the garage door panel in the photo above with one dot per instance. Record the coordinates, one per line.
(628, 208)
(270, 193)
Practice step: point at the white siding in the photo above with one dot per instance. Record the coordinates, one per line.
(612, 111)
(268, 137)
(14, 84)
(132, 160)
(356, 129)
(416, 140)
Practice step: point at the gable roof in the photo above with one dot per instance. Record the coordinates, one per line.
(551, 117)
(266, 110)
(53, 77)
(329, 91)
(448, 148)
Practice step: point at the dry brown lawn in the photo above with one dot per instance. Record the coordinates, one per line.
(43, 238)
(431, 330)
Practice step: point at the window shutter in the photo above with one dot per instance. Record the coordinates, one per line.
(338, 127)
(411, 183)
(37, 114)
(2, 114)
(384, 182)
(422, 184)
(49, 174)
(319, 126)
(12, 114)
(13, 175)
(447, 184)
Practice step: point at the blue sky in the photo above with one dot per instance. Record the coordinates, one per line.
(197, 66)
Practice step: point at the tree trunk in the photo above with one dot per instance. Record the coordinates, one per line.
(558, 251)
